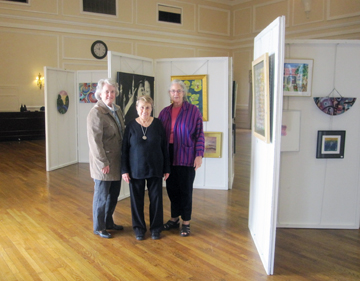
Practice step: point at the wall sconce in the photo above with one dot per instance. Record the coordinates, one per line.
(39, 81)
(307, 7)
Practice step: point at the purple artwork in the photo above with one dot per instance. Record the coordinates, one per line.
(334, 106)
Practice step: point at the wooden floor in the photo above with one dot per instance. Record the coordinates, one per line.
(46, 232)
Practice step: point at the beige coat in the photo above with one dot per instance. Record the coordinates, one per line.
(105, 141)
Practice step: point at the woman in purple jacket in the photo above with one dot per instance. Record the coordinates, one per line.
(184, 132)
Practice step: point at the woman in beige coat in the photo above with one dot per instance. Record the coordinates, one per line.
(105, 127)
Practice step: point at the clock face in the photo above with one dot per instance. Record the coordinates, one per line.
(99, 49)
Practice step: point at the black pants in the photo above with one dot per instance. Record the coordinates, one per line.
(137, 195)
(179, 187)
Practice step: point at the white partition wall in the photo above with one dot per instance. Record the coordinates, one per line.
(265, 157)
(323, 193)
(61, 129)
(215, 173)
(118, 62)
(85, 76)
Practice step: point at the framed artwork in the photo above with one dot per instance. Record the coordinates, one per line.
(197, 91)
(261, 100)
(87, 92)
(130, 87)
(62, 102)
(334, 105)
(330, 144)
(213, 143)
(290, 131)
(298, 77)
(234, 98)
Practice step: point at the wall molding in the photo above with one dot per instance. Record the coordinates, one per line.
(214, 9)
(164, 35)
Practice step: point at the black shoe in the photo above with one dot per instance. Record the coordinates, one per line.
(185, 230)
(155, 235)
(116, 227)
(171, 224)
(139, 237)
(139, 233)
(102, 233)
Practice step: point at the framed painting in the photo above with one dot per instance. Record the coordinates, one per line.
(62, 102)
(213, 144)
(330, 144)
(298, 77)
(130, 87)
(197, 91)
(261, 100)
(87, 92)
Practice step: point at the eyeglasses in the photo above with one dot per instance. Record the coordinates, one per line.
(176, 91)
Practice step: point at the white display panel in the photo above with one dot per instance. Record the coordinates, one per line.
(265, 157)
(89, 76)
(323, 193)
(215, 173)
(61, 129)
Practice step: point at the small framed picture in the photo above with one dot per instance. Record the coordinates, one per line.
(212, 145)
(261, 98)
(298, 77)
(330, 144)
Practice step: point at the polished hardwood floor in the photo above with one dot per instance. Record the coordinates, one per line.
(46, 232)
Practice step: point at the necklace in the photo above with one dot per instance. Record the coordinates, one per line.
(144, 137)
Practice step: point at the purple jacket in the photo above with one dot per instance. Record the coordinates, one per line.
(189, 138)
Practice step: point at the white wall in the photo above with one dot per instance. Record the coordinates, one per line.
(265, 157)
(323, 193)
(215, 172)
(61, 129)
(118, 62)
(84, 76)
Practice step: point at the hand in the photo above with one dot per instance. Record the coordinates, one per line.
(197, 162)
(126, 177)
(166, 176)
(106, 170)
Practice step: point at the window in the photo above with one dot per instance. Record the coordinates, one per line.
(169, 14)
(107, 7)
(19, 1)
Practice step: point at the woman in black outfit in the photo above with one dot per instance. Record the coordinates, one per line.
(145, 157)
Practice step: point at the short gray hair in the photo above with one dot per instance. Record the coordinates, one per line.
(182, 85)
(101, 84)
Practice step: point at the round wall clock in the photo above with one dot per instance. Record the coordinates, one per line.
(99, 49)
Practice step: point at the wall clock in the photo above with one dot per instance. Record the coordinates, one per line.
(99, 49)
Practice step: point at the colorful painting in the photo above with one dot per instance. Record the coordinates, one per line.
(261, 99)
(330, 144)
(87, 92)
(334, 106)
(62, 102)
(212, 145)
(297, 77)
(197, 91)
(130, 87)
